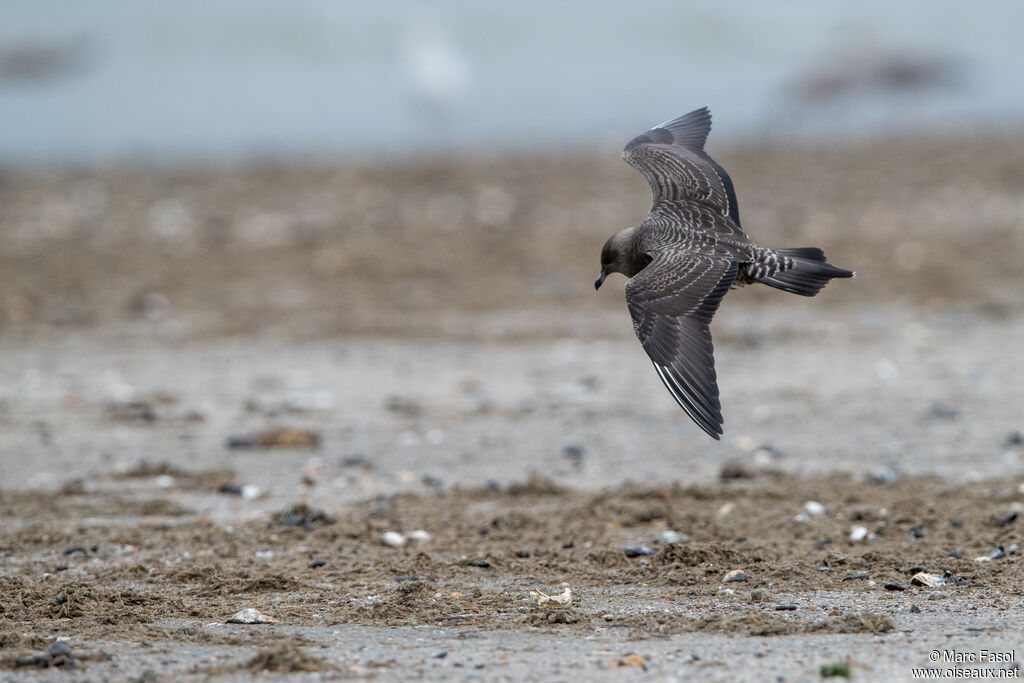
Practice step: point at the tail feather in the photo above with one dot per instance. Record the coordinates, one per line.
(809, 274)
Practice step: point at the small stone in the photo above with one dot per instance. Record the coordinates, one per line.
(785, 608)
(858, 533)
(164, 481)
(997, 553)
(419, 535)
(859, 576)
(1008, 519)
(608, 617)
(813, 508)
(734, 575)
(482, 564)
(895, 587)
(917, 531)
(668, 537)
(955, 554)
(392, 539)
(637, 551)
(926, 579)
(915, 609)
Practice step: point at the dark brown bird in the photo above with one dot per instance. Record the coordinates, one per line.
(687, 254)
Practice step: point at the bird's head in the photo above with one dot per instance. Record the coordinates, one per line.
(618, 256)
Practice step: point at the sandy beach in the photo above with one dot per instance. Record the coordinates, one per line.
(220, 387)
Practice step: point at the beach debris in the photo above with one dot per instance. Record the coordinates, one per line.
(636, 551)
(1008, 519)
(632, 660)
(392, 539)
(926, 579)
(574, 453)
(282, 437)
(814, 508)
(57, 655)
(734, 575)
(668, 536)
(562, 600)
(996, 554)
(785, 608)
(250, 615)
(858, 533)
(811, 509)
(895, 587)
(841, 670)
(419, 535)
(246, 491)
(403, 405)
(302, 515)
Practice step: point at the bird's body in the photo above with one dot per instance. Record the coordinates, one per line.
(687, 254)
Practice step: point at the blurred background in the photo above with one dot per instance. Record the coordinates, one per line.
(382, 221)
(113, 80)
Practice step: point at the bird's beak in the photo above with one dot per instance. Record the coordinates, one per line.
(599, 280)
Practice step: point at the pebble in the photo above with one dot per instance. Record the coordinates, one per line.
(637, 551)
(392, 539)
(785, 608)
(926, 579)
(419, 535)
(1008, 519)
(483, 564)
(858, 533)
(814, 508)
(895, 587)
(734, 575)
(955, 554)
(915, 609)
(859, 576)
(668, 536)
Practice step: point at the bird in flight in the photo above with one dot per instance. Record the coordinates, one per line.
(687, 254)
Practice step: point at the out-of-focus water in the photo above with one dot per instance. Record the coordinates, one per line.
(213, 79)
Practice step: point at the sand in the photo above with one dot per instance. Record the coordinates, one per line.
(222, 387)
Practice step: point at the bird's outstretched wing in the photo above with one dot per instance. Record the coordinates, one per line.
(671, 157)
(672, 302)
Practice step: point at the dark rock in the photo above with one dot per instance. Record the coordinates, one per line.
(637, 551)
(1008, 519)
(785, 608)
(955, 554)
(895, 587)
(859, 576)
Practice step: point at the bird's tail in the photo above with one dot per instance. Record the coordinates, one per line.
(809, 273)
